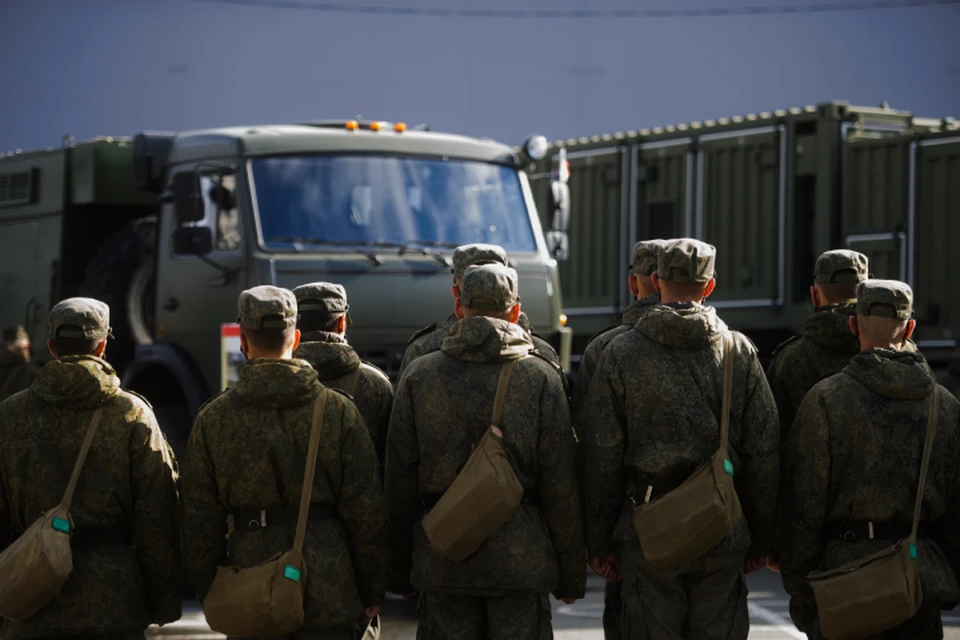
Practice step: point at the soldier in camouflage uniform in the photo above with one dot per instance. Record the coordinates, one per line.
(126, 542)
(429, 339)
(651, 418)
(443, 407)
(826, 344)
(323, 318)
(16, 371)
(950, 378)
(852, 460)
(644, 263)
(246, 459)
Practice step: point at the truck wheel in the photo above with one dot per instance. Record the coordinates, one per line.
(121, 274)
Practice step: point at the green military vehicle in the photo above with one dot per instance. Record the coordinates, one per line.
(169, 228)
(771, 191)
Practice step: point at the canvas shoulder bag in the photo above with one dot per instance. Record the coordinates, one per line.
(34, 568)
(483, 495)
(267, 599)
(872, 594)
(678, 528)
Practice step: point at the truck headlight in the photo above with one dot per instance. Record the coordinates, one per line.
(536, 147)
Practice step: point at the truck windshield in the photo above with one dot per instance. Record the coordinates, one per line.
(384, 200)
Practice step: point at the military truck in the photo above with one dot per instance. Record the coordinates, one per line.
(168, 228)
(771, 191)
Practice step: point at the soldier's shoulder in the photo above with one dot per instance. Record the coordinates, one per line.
(374, 371)
(744, 343)
(136, 398)
(214, 403)
(603, 333)
(787, 345)
(427, 330)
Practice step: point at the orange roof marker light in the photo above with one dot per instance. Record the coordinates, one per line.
(374, 126)
(352, 125)
(400, 127)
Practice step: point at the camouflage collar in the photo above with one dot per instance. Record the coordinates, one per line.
(77, 382)
(279, 384)
(829, 327)
(899, 375)
(482, 339)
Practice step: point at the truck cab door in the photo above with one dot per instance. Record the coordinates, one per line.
(198, 293)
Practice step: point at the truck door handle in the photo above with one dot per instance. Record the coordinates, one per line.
(172, 304)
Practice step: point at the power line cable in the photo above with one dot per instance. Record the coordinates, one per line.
(706, 12)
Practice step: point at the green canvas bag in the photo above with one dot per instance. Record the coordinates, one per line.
(681, 526)
(35, 567)
(482, 496)
(267, 599)
(864, 597)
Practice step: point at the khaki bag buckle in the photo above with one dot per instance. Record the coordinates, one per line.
(253, 525)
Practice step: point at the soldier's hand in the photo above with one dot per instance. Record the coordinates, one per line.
(607, 568)
(371, 612)
(568, 600)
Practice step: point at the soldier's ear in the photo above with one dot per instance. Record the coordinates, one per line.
(515, 313)
(655, 281)
(632, 283)
(908, 331)
(100, 348)
(853, 326)
(707, 290)
(458, 309)
(50, 349)
(296, 339)
(814, 297)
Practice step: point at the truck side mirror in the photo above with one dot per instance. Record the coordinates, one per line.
(197, 241)
(187, 198)
(559, 205)
(558, 245)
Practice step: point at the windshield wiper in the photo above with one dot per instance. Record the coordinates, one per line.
(402, 248)
(351, 244)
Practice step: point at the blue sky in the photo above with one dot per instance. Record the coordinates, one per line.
(115, 67)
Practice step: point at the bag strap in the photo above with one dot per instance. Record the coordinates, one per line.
(933, 416)
(728, 358)
(307, 491)
(502, 383)
(81, 459)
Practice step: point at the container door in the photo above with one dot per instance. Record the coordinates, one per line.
(592, 275)
(740, 209)
(936, 263)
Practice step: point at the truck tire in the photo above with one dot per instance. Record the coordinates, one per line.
(121, 274)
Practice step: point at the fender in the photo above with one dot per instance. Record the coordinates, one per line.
(175, 362)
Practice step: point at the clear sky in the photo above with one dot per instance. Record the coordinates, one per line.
(115, 67)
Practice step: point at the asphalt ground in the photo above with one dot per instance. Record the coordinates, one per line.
(767, 602)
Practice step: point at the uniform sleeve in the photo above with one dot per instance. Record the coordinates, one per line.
(603, 423)
(411, 353)
(806, 494)
(156, 524)
(781, 396)
(383, 421)
(758, 479)
(204, 517)
(401, 487)
(947, 529)
(559, 490)
(360, 508)
(545, 349)
(588, 364)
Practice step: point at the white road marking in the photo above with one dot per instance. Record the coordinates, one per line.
(780, 623)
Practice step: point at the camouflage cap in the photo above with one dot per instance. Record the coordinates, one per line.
(686, 260)
(645, 256)
(840, 265)
(321, 296)
(489, 287)
(887, 298)
(84, 318)
(469, 254)
(266, 307)
(12, 335)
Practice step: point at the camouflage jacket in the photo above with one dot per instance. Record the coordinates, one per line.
(822, 350)
(854, 455)
(652, 417)
(429, 339)
(591, 355)
(16, 373)
(950, 378)
(443, 406)
(128, 486)
(334, 361)
(248, 450)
